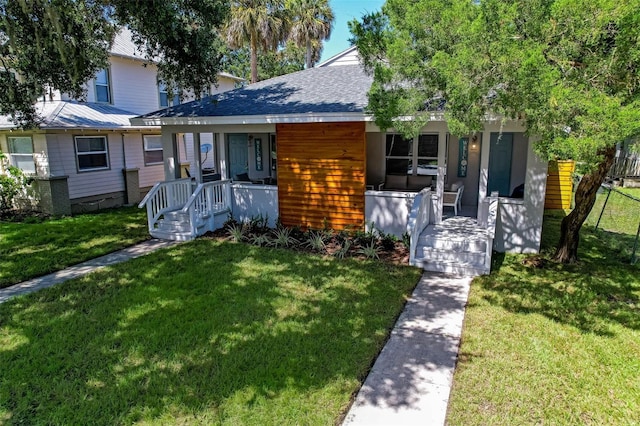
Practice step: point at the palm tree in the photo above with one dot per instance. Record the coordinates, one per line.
(312, 22)
(258, 23)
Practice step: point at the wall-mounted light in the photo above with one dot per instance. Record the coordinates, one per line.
(474, 142)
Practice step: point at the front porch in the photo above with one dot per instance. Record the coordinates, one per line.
(184, 209)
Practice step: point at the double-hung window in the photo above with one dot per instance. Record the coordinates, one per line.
(412, 156)
(152, 150)
(92, 153)
(103, 86)
(21, 153)
(165, 100)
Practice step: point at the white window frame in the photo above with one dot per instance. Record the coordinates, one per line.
(105, 152)
(145, 149)
(13, 156)
(101, 84)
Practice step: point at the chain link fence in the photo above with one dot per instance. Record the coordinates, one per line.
(617, 210)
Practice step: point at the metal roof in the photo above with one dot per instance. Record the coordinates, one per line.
(77, 115)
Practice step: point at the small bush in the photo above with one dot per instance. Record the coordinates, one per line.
(316, 241)
(387, 241)
(13, 182)
(343, 251)
(237, 232)
(282, 237)
(261, 240)
(370, 251)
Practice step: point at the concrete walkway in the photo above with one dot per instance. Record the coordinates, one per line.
(410, 381)
(83, 268)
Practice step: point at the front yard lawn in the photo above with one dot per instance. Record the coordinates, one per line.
(556, 344)
(28, 249)
(206, 332)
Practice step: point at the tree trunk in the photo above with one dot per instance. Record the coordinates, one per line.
(309, 58)
(567, 251)
(254, 60)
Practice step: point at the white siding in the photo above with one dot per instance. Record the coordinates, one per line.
(134, 149)
(62, 159)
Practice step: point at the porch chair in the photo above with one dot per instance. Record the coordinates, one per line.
(453, 197)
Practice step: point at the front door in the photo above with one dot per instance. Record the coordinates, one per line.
(238, 155)
(501, 148)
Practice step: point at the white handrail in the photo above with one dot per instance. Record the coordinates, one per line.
(166, 196)
(418, 220)
(205, 200)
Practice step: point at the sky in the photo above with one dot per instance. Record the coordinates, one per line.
(343, 12)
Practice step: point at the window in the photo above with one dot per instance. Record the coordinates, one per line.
(411, 156)
(165, 101)
(153, 150)
(92, 153)
(103, 89)
(21, 153)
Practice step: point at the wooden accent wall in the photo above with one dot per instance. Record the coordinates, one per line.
(559, 185)
(321, 174)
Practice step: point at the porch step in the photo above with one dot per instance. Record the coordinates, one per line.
(460, 269)
(456, 246)
(171, 235)
(438, 255)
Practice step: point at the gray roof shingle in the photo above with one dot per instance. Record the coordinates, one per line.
(340, 89)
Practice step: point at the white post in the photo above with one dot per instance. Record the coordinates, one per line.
(485, 146)
(197, 167)
(170, 155)
(222, 156)
(442, 173)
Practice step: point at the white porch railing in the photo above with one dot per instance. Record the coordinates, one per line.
(165, 197)
(207, 200)
(418, 220)
(492, 218)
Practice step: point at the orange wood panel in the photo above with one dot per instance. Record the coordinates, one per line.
(321, 174)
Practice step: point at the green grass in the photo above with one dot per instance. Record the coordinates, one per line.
(621, 214)
(28, 250)
(202, 333)
(553, 345)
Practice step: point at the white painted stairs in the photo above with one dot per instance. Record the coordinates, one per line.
(174, 225)
(456, 246)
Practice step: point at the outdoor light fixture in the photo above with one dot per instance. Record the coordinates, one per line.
(474, 142)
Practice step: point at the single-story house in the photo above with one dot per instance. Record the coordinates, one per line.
(302, 148)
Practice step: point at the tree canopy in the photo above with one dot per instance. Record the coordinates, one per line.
(312, 22)
(568, 70)
(61, 44)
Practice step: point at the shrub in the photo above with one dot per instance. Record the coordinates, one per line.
(237, 232)
(370, 251)
(282, 237)
(13, 182)
(316, 241)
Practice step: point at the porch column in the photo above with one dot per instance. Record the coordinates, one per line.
(485, 146)
(197, 167)
(171, 160)
(442, 173)
(222, 155)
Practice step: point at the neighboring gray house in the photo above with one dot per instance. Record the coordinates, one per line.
(87, 155)
(314, 157)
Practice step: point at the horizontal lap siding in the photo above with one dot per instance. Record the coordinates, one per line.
(321, 174)
(559, 185)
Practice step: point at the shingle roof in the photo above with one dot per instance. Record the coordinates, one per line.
(71, 114)
(341, 89)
